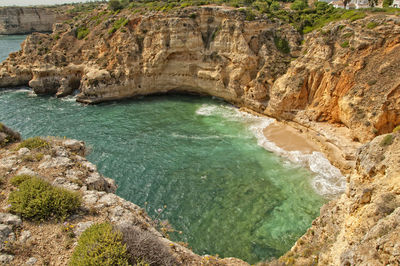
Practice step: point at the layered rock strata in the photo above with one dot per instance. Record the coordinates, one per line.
(25, 20)
(345, 73)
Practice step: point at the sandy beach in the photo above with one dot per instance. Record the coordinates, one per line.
(289, 138)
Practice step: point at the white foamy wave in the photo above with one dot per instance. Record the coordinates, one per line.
(328, 180)
(180, 136)
(69, 99)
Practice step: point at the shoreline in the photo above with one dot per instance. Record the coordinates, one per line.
(333, 141)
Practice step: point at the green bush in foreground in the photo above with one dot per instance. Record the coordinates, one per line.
(19, 179)
(38, 200)
(100, 245)
(33, 143)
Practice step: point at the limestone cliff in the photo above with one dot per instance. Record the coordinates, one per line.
(362, 226)
(24, 20)
(344, 73)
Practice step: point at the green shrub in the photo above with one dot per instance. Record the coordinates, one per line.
(345, 44)
(118, 24)
(37, 200)
(371, 25)
(82, 32)
(115, 5)
(282, 45)
(396, 129)
(387, 3)
(100, 245)
(353, 15)
(387, 140)
(347, 35)
(18, 179)
(33, 143)
(275, 6)
(298, 5)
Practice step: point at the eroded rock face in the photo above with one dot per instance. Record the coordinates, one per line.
(207, 50)
(23, 20)
(344, 73)
(7, 135)
(347, 74)
(362, 226)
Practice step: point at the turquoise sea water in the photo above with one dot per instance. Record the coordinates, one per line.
(195, 155)
(9, 43)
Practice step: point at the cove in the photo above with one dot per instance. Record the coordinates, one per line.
(195, 158)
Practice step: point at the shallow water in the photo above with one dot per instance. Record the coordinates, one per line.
(198, 157)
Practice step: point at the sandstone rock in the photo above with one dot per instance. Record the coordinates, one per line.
(96, 182)
(81, 227)
(55, 162)
(60, 152)
(8, 163)
(8, 136)
(75, 146)
(31, 261)
(89, 166)
(25, 235)
(90, 197)
(62, 182)
(6, 259)
(26, 171)
(6, 235)
(23, 151)
(23, 20)
(108, 199)
(10, 219)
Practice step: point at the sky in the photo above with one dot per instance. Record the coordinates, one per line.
(36, 2)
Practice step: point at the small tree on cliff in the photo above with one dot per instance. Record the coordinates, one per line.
(345, 2)
(115, 5)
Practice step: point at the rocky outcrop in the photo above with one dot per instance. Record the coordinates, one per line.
(362, 226)
(63, 164)
(8, 136)
(347, 74)
(207, 50)
(333, 77)
(24, 20)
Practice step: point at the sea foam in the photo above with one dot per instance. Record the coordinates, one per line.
(328, 180)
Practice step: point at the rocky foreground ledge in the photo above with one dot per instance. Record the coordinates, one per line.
(359, 228)
(63, 164)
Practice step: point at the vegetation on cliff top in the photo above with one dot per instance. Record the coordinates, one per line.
(303, 17)
(36, 199)
(100, 244)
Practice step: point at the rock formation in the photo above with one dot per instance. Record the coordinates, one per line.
(24, 20)
(362, 226)
(345, 73)
(63, 164)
